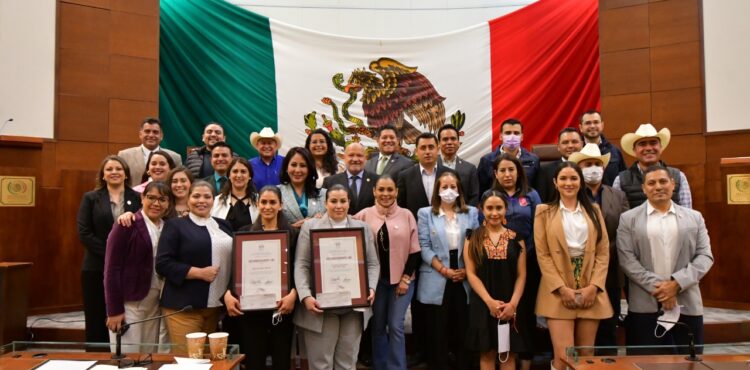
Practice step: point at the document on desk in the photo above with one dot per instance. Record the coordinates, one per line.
(66, 365)
(185, 367)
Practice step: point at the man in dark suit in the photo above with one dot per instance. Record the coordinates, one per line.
(569, 141)
(358, 181)
(388, 160)
(221, 158)
(467, 172)
(512, 133)
(613, 203)
(415, 184)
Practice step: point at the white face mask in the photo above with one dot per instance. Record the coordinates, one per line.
(448, 195)
(593, 175)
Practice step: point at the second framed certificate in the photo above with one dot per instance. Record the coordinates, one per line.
(261, 268)
(339, 267)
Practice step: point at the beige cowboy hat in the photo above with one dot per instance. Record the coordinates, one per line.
(645, 130)
(265, 133)
(590, 151)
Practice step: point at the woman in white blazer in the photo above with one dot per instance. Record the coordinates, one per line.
(442, 286)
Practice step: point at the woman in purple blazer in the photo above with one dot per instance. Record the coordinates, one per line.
(131, 285)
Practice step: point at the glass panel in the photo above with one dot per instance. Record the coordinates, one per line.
(602, 354)
(142, 348)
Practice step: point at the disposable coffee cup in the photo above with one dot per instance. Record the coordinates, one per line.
(218, 344)
(195, 344)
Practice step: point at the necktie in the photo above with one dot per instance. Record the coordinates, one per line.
(353, 188)
(381, 165)
(222, 181)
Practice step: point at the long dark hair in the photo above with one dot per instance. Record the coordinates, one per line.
(436, 201)
(582, 197)
(312, 175)
(100, 183)
(226, 190)
(162, 153)
(522, 182)
(330, 163)
(476, 241)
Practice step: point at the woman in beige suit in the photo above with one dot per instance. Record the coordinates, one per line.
(573, 254)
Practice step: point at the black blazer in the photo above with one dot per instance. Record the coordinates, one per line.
(543, 182)
(95, 222)
(183, 245)
(467, 173)
(365, 198)
(411, 193)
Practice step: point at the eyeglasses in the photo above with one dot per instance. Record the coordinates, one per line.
(154, 198)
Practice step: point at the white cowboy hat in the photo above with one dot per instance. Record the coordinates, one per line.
(645, 130)
(590, 151)
(265, 133)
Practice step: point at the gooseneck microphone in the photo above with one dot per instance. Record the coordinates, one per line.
(125, 326)
(692, 356)
(5, 123)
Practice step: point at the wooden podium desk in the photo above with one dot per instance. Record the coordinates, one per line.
(730, 356)
(29, 355)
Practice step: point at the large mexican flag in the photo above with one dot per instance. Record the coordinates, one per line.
(222, 63)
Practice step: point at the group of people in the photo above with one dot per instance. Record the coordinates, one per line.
(510, 244)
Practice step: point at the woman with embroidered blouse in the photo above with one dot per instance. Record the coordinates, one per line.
(301, 198)
(496, 269)
(397, 242)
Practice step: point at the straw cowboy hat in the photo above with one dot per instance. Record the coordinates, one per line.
(645, 130)
(265, 133)
(590, 151)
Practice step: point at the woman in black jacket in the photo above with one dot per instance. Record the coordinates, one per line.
(99, 208)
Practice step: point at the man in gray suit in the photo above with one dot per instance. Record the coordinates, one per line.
(665, 251)
(151, 136)
(449, 143)
(388, 160)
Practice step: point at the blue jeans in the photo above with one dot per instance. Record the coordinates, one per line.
(388, 345)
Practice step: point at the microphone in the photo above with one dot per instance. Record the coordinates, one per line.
(118, 338)
(691, 338)
(5, 123)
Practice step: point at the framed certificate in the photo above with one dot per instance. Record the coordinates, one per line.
(261, 268)
(339, 267)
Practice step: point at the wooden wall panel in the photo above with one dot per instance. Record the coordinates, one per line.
(80, 155)
(680, 110)
(145, 7)
(134, 78)
(673, 21)
(82, 118)
(125, 117)
(625, 72)
(685, 149)
(84, 28)
(676, 66)
(613, 4)
(82, 73)
(623, 113)
(628, 29)
(132, 35)
(102, 4)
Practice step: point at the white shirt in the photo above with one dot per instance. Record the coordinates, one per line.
(147, 152)
(428, 180)
(450, 164)
(576, 229)
(662, 232)
(451, 230)
(221, 255)
(154, 231)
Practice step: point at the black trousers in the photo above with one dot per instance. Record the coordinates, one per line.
(261, 337)
(606, 334)
(94, 308)
(448, 322)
